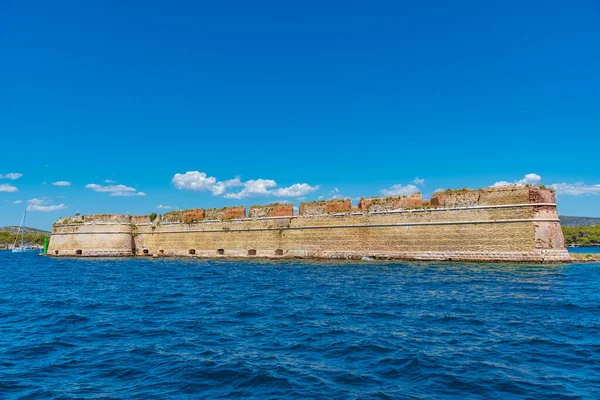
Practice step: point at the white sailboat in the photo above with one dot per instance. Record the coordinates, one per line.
(21, 248)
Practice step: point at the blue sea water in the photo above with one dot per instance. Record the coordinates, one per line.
(593, 250)
(156, 329)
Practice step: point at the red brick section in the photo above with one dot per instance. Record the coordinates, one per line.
(282, 210)
(539, 195)
(271, 210)
(237, 212)
(336, 206)
(234, 213)
(194, 215)
(325, 207)
(363, 204)
(390, 203)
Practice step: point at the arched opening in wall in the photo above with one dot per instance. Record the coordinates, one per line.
(279, 252)
(146, 252)
(191, 251)
(56, 252)
(162, 252)
(78, 252)
(220, 252)
(251, 252)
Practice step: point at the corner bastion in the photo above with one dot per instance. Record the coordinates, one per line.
(508, 224)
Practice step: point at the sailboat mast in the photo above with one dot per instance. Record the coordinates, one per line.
(23, 227)
(20, 230)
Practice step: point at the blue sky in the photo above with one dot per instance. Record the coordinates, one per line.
(277, 101)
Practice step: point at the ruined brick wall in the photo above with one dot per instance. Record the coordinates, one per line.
(237, 212)
(185, 216)
(378, 204)
(271, 210)
(107, 218)
(492, 196)
(455, 198)
(325, 207)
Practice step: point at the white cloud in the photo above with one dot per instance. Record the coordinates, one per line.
(333, 194)
(400, 190)
(115, 190)
(253, 187)
(5, 187)
(61, 183)
(11, 176)
(568, 189)
(163, 207)
(109, 181)
(40, 205)
(17, 201)
(418, 181)
(439, 190)
(296, 190)
(529, 179)
(199, 181)
(576, 189)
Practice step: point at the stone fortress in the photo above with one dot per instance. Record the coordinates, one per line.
(507, 224)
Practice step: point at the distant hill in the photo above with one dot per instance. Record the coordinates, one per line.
(578, 221)
(30, 231)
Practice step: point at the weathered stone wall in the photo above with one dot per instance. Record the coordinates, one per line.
(527, 230)
(98, 238)
(456, 198)
(145, 219)
(495, 234)
(271, 210)
(492, 196)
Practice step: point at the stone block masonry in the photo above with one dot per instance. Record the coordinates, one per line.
(514, 224)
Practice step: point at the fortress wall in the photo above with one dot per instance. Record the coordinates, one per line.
(527, 230)
(466, 234)
(92, 239)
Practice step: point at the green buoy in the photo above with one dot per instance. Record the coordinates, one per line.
(46, 245)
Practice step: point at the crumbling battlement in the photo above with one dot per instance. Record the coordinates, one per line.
(237, 212)
(492, 196)
(378, 204)
(271, 210)
(325, 207)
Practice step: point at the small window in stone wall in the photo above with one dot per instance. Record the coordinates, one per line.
(161, 251)
(221, 251)
(78, 252)
(56, 252)
(279, 252)
(192, 251)
(252, 252)
(146, 251)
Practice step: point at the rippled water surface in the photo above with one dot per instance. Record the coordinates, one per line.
(155, 329)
